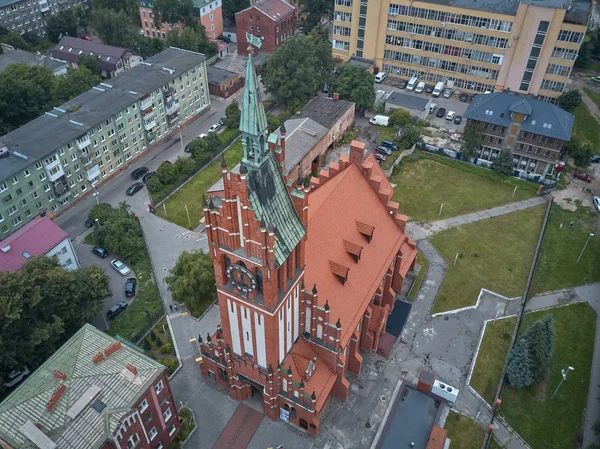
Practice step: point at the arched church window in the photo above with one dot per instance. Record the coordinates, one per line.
(259, 280)
(239, 262)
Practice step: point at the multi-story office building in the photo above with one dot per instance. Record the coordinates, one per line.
(526, 46)
(29, 16)
(61, 156)
(534, 131)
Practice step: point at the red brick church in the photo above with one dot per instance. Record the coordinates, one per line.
(306, 277)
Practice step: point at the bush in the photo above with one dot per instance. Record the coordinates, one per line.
(158, 343)
(167, 173)
(184, 165)
(153, 184)
(147, 345)
(152, 336)
(166, 349)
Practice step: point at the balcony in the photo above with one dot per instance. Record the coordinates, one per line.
(148, 115)
(60, 186)
(149, 124)
(83, 142)
(55, 172)
(51, 162)
(44, 6)
(93, 173)
(87, 160)
(172, 108)
(146, 103)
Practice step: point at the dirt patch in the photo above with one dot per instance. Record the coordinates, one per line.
(543, 387)
(575, 190)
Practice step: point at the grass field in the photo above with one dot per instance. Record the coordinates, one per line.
(190, 194)
(586, 126)
(422, 185)
(556, 423)
(557, 267)
(495, 254)
(463, 432)
(414, 291)
(490, 359)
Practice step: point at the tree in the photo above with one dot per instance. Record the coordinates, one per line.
(273, 122)
(411, 135)
(184, 165)
(129, 7)
(192, 281)
(298, 68)
(471, 141)
(356, 85)
(173, 12)
(315, 11)
(570, 100)
(82, 17)
(153, 184)
(167, 173)
(580, 150)
(113, 27)
(192, 39)
(503, 164)
(233, 114)
(15, 40)
(400, 117)
(584, 56)
(74, 83)
(91, 62)
(43, 305)
(146, 46)
(232, 7)
(62, 24)
(518, 365)
(540, 337)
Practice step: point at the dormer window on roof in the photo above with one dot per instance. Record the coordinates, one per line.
(353, 249)
(366, 230)
(340, 271)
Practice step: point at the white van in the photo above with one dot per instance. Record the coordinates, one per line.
(450, 115)
(380, 77)
(381, 120)
(420, 87)
(411, 83)
(437, 90)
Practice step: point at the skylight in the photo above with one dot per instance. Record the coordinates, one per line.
(99, 406)
(26, 255)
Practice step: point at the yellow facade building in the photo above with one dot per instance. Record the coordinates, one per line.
(476, 46)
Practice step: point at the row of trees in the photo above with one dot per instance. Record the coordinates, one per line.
(42, 306)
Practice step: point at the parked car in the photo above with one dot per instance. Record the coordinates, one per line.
(130, 287)
(115, 310)
(149, 175)
(120, 267)
(325, 88)
(596, 79)
(391, 145)
(337, 71)
(214, 128)
(429, 89)
(134, 188)
(402, 84)
(100, 252)
(86, 38)
(441, 112)
(583, 176)
(16, 376)
(202, 136)
(139, 172)
(447, 93)
(450, 115)
(379, 157)
(458, 119)
(596, 159)
(463, 97)
(89, 223)
(597, 203)
(221, 121)
(384, 150)
(432, 107)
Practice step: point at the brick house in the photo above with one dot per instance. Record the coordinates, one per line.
(306, 277)
(223, 83)
(533, 130)
(93, 392)
(271, 20)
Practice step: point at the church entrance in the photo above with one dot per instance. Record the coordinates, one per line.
(256, 401)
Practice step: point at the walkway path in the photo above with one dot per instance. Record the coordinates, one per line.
(422, 231)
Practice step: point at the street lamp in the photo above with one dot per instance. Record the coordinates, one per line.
(96, 195)
(180, 138)
(564, 373)
(98, 221)
(586, 242)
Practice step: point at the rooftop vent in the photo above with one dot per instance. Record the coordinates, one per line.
(83, 400)
(36, 436)
(6, 248)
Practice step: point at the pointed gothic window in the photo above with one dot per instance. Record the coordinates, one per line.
(249, 148)
(259, 280)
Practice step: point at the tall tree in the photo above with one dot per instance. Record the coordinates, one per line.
(82, 17)
(570, 100)
(192, 281)
(540, 336)
(411, 135)
(356, 85)
(75, 82)
(146, 46)
(232, 7)
(585, 55)
(233, 114)
(192, 39)
(173, 12)
(60, 25)
(503, 164)
(518, 365)
(580, 150)
(130, 7)
(400, 118)
(315, 11)
(91, 62)
(471, 141)
(113, 27)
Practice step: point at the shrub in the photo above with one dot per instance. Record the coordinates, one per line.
(166, 349)
(153, 185)
(152, 336)
(147, 345)
(518, 366)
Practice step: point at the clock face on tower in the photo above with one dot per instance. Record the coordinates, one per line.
(241, 278)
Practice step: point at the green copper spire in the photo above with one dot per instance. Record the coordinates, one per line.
(253, 121)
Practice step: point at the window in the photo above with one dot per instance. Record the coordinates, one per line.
(172, 429)
(167, 414)
(38, 165)
(11, 210)
(26, 173)
(17, 220)
(152, 433)
(133, 441)
(159, 387)
(15, 179)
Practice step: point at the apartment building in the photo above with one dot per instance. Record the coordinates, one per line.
(58, 158)
(208, 12)
(533, 130)
(526, 46)
(29, 16)
(94, 392)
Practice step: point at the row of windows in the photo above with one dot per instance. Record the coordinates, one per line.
(343, 16)
(347, 3)
(453, 18)
(534, 55)
(441, 64)
(555, 86)
(341, 45)
(341, 31)
(409, 72)
(445, 49)
(570, 36)
(542, 140)
(528, 149)
(443, 33)
(556, 69)
(564, 53)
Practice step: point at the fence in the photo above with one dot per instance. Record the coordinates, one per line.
(404, 154)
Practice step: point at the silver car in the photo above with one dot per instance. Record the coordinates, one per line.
(120, 267)
(597, 203)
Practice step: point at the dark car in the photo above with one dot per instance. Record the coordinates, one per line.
(325, 88)
(130, 287)
(89, 223)
(100, 252)
(148, 175)
(391, 145)
(583, 176)
(463, 97)
(139, 172)
(596, 159)
(115, 310)
(441, 112)
(458, 119)
(379, 157)
(384, 150)
(402, 84)
(134, 188)
(429, 89)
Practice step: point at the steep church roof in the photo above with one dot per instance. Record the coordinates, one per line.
(253, 120)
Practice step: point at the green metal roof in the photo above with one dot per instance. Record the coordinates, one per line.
(272, 204)
(253, 120)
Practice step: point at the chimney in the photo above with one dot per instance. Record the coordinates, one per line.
(132, 369)
(55, 397)
(59, 375)
(98, 358)
(112, 348)
(336, 96)
(357, 152)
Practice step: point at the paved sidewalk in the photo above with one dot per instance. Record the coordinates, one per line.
(422, 231)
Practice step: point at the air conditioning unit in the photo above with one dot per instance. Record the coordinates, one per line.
(508, 45)
(444, 391)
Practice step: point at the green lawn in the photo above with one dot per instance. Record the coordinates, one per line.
(586, 125)
(191, 193)
(414, 291)
(593, 96)
(422, 185)
(463, 432)
(556, 423)
(495, 254)
(490, 359)
(557, 267)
